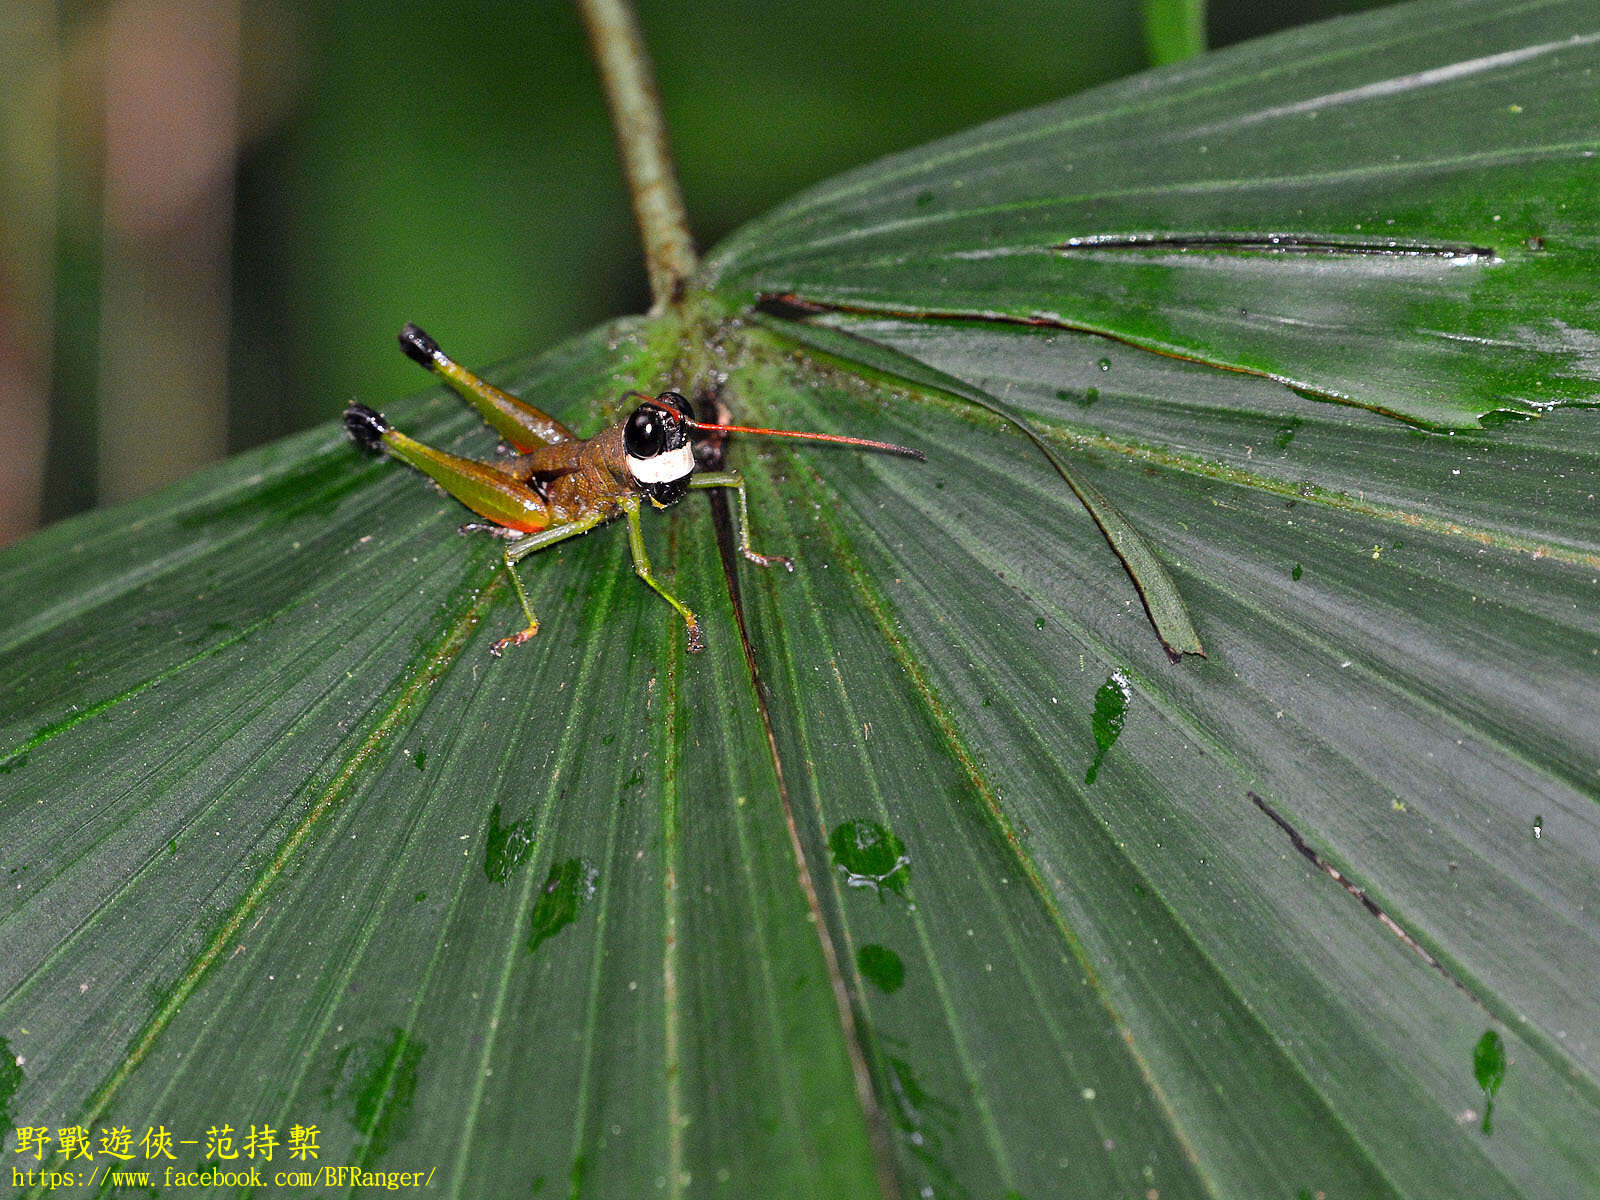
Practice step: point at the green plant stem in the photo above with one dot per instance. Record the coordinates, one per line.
(635, 103)
(1174, 30)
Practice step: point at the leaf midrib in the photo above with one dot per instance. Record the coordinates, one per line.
(875, 604)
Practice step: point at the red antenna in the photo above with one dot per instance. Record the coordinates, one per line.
(864, 443)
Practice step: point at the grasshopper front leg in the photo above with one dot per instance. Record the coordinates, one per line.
(641, 560)
(732, 479)
(641, 568)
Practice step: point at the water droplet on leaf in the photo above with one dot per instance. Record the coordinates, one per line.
(870, 856)
(567, 889)
(1110, 710)
(505, 846)
(1489, 1069)
(882, 966)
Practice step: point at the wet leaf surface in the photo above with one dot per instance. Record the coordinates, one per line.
(934, 873)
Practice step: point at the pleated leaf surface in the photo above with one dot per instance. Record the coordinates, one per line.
(934, 874)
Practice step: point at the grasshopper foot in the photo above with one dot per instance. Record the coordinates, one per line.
(696, 643)
(515, 639)
(767, 560)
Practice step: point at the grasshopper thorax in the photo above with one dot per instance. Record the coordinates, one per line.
(655, 442)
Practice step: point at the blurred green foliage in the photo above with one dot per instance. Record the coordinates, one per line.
(456, 167)
(452, 165)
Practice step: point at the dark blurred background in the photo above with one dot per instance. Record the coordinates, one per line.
(215, 214)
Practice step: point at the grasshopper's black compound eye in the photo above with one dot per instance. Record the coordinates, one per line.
(652, 428)
(645, 434)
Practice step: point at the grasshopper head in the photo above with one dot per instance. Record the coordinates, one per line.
(655, 438)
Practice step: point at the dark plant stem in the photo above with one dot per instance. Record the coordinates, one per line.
(630, 87)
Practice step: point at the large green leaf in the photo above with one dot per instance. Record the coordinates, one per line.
(933, 874)
(1365, 217)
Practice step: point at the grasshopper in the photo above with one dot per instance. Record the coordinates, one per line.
(559, 485)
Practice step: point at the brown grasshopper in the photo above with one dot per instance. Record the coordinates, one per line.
(559, 485)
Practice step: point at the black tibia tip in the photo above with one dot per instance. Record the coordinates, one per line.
(418, 346)
(365, 426)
